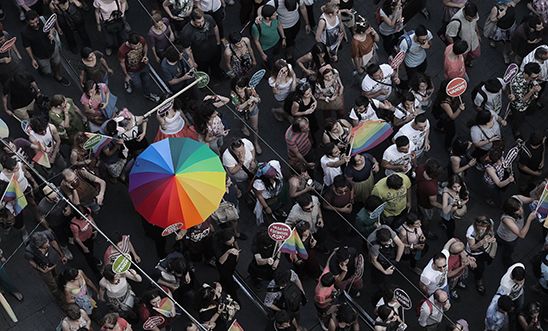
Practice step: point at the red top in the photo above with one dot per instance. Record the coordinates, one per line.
(453, 68)
(81, 229)
(132, 56)
(425, 188)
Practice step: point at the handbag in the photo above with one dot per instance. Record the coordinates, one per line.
(226, 212)
(492, 249)
(489, 28)
(116, 23)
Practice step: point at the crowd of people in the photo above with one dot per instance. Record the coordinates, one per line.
(393, 198)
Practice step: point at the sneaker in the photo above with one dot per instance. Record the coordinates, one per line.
(22, 16)
(127, 86)
(454, 295)
(99, 264)
(153, 97)
(24, 235)
(67, 252)
(461, 285)
(63, 81)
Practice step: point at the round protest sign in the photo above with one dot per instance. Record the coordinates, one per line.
(403, 298)
(7, 45)
(4, 130)
(256, 78)
(510, 73)
(397, 60)
(50, 23)
(279, 231)
(121, 265)
(202, 77)
(172, 229)
(456, 87)
(153, 322)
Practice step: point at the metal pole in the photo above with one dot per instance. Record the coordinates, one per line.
(166, 101)
(127, 256)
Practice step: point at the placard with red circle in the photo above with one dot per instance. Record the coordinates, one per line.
(456, 87)
(279, 231)
(172, 229)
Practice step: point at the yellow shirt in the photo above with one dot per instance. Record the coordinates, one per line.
(396, 200)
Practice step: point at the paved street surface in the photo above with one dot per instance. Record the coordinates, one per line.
(39, 312)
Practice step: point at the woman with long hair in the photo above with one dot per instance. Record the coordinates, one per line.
(495, 176)
(338, 132)
(115, 290)
(93, 67)
(454, 199)
(75, 283)
(481, 244)
(95, 100)
(209, 124)
(364, 42)
(283, 81)
(460, 159)
(238, 55)
(503, 16)
(329, 92)
(414, 240)
(150, 306)
(247, 100)
(160, 36)
(311, 62)
(216, 310)
(304, 104)
(448, 109)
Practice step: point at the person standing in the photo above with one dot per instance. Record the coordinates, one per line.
(427, 191)
(84, 234)
(133, 59)
(464, 26)
(267, 35)
(202, 43)
(214, 9)
(414, 45)
(512, 284)
(531, 164)
(227, 255)
(497, 313)
(481, 243)
(432, 310)
(109, 15)
(399, 157)
(418, 132)
(525, 89)
(71, 21)
(434, 274)
(299, 143)
(42, 48)
(453, 63)
(395, 191)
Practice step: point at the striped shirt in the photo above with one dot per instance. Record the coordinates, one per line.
(299, 140)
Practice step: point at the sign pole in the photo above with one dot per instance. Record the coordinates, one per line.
(183, 90)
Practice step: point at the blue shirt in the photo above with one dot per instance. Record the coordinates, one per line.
(414, 53)
(495, 319)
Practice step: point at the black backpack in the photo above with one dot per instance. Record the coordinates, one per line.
(292, 297)
(478, 90)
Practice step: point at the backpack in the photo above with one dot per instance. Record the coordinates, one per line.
(292, 297)
(407, 37)
(419, 306)
(442, 30)
(478, 90)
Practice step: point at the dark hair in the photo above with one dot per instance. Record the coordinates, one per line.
(342, 254)
(38, 124)
(493, 85)
(372, 68)
(421, 30)
(531, 68)
(470, 9)
(518, 274)
(505, 304)
(234, 37)
(282, 316)
(539, 52)
(134, 38)
(346, 314)
(88, 86)
(372, 202)
(66, 276)
(296, 126)
(394, 182)
(149, 295)
(86, 52)
(419, 78)
(432, 168)
(438, 256)
(421, 118)
(327, 279)
(73, 311)
(536, 138)
(407, 96)
(533, 21)
(31, 14)
(196, 14)
(384, 312)
(172, 54)
(511, 206)
(460, 47)
(361, 101)
(454, 179)
(329, 147)
(267, 11)
(483, 117)
(304, 199)
(459, 147)
(108, 274)
(383, 235)
(282, 277)
(223, 236)
(340, 181)
(411, 218)
(401, 141)
(8, 162)
(316, 50)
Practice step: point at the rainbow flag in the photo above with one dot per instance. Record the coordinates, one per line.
(96, 142)
(542, 207)
(294, 245)
(235, 326)
(42, 159)
(166, 307)
(14, 196)
(369, 134)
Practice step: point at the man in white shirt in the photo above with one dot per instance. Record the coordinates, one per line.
(418, 132)
(511, 284)
(399, 156)
(378, 82)
(434, 274)
(432, 309)
(366, 109)
(307, 208)
(538, 55)
(239, 160)
(214, 8)
(489, 95)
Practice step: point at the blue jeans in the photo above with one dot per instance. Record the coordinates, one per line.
(141, 79)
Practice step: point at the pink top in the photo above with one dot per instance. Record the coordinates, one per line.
(96, 100)
(453, 68)
(216, 127)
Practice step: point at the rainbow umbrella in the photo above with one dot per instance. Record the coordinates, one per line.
(369, 134)
(177, 180)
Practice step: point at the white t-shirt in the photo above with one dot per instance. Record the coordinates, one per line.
(494, 100)
(434, 279)
(392, 155)
(209, 5)
(371, 86)
(369, 113)
(399, 112)
(229, 161)
(286, 17)
(543, 65)
(418, 138)
(329, 172)
(283, 89)
(508, 286)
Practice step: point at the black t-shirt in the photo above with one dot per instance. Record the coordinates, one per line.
(42, 47)
(532, 162)
(20, 95)
(230, 264)
(202, 40)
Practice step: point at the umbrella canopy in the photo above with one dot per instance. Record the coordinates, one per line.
(177, 180)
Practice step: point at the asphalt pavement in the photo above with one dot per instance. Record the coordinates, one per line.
(39, 312)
